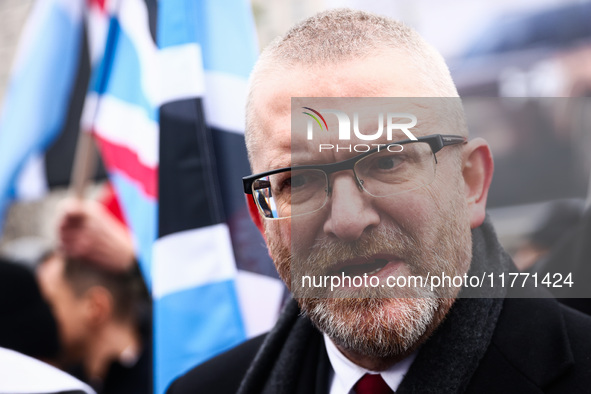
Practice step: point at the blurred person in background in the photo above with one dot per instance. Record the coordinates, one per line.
(572, 255)
(558, 224)
(100, 301)
(29, 345)
(97, 314)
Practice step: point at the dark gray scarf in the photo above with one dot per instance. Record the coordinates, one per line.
(445, 363)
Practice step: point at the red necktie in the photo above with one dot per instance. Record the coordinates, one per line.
(372, 384)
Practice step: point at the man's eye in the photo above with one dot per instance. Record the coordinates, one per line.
(298, 181)
(301, 181)
(293, 182)
(387, 162)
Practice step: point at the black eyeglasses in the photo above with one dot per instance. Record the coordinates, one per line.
(387, 170)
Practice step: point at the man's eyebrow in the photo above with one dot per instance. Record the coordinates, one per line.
(425, 127)
(280, 163)
(308, 163)
(300, 161)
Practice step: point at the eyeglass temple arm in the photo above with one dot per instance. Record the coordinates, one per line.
(453, 139)
(442, 140)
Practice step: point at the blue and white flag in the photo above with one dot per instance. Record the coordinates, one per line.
(166, 107)
(208, 295)
(169, 121)
(37, 98)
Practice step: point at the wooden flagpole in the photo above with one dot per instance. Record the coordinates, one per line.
(85, 163)
(86, 157)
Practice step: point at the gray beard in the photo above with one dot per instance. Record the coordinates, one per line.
(385, 322)
(365, 326)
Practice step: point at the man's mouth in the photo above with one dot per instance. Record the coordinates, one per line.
(363, 267)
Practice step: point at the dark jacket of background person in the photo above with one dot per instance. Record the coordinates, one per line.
(27, 324)
(135, 378)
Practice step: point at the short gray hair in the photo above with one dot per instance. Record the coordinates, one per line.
(342, 34)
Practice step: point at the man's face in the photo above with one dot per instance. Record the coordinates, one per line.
(425, 230)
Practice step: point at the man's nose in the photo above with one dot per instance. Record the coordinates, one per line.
(351, 209)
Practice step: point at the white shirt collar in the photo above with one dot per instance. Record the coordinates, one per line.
(23, 374)
(347, 373)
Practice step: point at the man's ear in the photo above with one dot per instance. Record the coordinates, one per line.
(99, 305)
(255, 214)
(477, 170)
